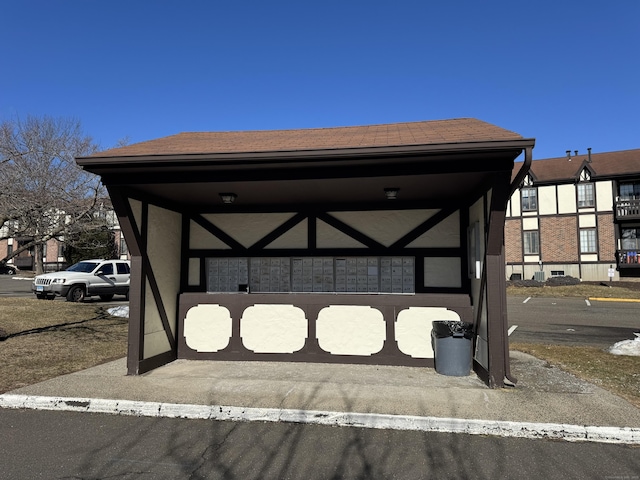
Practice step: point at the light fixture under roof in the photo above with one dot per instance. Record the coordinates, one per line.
(228, 198)
(391, 193)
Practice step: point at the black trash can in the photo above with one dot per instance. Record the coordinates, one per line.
(451, 341)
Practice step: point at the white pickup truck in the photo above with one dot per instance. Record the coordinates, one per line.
(104, 278)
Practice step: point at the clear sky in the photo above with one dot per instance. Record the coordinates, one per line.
(566, 72)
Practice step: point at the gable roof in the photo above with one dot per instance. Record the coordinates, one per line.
(602, 166)
(454, 131)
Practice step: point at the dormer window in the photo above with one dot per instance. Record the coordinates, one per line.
(529, 199)
(585, 195)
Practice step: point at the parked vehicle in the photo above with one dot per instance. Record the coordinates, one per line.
(6, 269)
(104, 278)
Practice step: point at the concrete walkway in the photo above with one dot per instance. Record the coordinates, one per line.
(546, 403)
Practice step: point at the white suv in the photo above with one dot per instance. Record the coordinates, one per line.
(104, 278)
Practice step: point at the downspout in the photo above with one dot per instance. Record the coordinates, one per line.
(526, 166)
(509, 379)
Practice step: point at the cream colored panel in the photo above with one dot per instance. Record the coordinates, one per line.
(155, 344)
(350, 330)
(586, 221)
(530, 223)
(199, 238)
(482, 352)
(297, 237)
(164, 242)
(567, 199)
(329, 237)
(273, 328)
(207, 328)
(385, 226)
(515, 204)
(604, 196)
(444, 234)
(413, 329)
(532, 258)
(136, 208)
(194, 271)
(591, 257)
(152, 320)
(547, 200)
(442, 272)
(248, 228)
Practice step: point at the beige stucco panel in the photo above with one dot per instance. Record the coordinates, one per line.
(152, 320)
(547, 200)
(199, 238)
(444, 234)
(136, 209)
(566, 198)
(386, 226)
(155, 344)
(329, 237)
(413, 329)
(248, 228)
(514, 204)
(530, 223)
(604, 196)
(350, 330)
(164, 242)
(273, 328)
(194, 272)
(587, 221)
(207, 328)
(296, 237)
(442, 272)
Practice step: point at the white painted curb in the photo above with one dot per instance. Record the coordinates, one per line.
(572, 433)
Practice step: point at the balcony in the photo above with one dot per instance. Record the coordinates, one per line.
(627, 209)
(628, 258)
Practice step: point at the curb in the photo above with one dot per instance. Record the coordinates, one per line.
(603, 299)
(572, 433)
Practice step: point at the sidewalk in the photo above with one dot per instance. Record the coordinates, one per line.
(353, 394)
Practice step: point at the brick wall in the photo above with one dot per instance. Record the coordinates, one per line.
(558, 239)
(606, 238)
(513, 241)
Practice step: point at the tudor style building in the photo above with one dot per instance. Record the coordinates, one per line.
(319, 245)
(576, 215)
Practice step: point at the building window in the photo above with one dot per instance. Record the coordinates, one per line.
(9, 249)
(585, 195)
(557, 273)
(629, 191)
(531, 242)
(529, 199)
(588, 241)
(630, 238)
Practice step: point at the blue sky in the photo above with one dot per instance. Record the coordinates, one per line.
(564, 72)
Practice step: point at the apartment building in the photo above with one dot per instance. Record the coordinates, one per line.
(576, 215)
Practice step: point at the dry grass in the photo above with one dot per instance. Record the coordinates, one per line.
(45, 339)
(630, 290)
(619, 374)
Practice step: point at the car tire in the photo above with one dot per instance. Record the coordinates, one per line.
(76, 294)
(11, 271)
(107, 297)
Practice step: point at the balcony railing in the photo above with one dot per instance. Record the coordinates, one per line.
(628, 258)
(627, 208)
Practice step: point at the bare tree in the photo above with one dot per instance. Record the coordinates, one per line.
(44, 194)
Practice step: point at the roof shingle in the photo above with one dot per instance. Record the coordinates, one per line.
(452, 131)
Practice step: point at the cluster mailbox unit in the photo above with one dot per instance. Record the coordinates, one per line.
(318, 245)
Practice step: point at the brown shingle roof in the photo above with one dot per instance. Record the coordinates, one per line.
(460, 130)
(607, 164)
